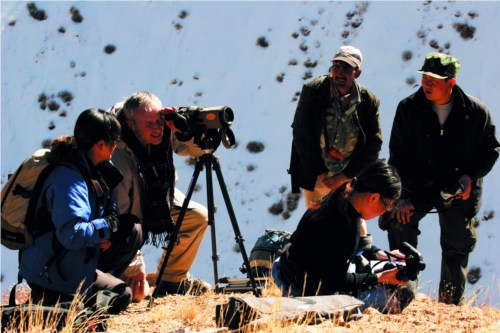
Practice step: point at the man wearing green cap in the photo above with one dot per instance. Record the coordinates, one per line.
(443, 143)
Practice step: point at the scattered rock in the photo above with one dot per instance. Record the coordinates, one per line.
(280, 77)
(251, 167)
(473, 14)
(421, 34)
(295, 35)
(75, 15)
(37, 14)
(183, 14)
(434, 44)
(276, 209)
(305, 32)
(12, 23)
(46, 143)
(310, 64)
(407, 55)
(488, 215)
(52, 125)
(53, 105)
(109, 48)
(292, 201)
(177, 26)
(286, 215)
(303, 47)
(473, 275)
(411, 81)
(262, 42)
(66, 96)
(61, 29)
(292, 62)
(255, 147)
(466, 31)
(307, 75)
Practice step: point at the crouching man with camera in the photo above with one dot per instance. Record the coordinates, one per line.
(326, 240)
(443, 143)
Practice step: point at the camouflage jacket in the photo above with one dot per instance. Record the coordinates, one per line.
(307, 161)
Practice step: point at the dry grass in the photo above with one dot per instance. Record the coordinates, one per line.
(197, 314)
(175, 313)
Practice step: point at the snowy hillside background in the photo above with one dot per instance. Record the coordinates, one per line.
(59, 58)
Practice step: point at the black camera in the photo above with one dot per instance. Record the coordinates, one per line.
(208, 125)
(451, 192)
(414, 263)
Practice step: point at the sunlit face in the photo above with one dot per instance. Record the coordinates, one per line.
(343, 76)
(148, 125)
(376, 205)
(108, 149)
(437, 90)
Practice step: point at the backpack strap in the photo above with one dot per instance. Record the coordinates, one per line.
(11, 184)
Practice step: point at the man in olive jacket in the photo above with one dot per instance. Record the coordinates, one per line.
(443, 143)
(336, 129)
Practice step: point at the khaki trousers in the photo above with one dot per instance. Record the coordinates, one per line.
(190, 236)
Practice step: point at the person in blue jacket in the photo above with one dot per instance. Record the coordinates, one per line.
(75, 197)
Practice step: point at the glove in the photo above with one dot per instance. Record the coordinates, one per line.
(126, 225)
(112, 220)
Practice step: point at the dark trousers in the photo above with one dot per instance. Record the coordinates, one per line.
(111, 265)
(457, 240)
(116, 259)
(103, 281)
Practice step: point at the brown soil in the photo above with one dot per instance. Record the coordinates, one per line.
(197, 314)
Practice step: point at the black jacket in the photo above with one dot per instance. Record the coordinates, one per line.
(322, 246)
(430, 158)
(306, 162)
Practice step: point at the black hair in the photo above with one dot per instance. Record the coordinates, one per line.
(93, 125)
(378, 177)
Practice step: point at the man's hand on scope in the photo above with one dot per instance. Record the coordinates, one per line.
(173, 120)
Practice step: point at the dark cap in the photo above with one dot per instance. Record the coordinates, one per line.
(440, 66)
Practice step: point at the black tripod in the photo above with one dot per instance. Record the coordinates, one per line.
(208, 161)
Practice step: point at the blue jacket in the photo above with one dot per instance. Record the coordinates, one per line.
(76, 214)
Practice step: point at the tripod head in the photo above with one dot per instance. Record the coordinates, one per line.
(210, 139)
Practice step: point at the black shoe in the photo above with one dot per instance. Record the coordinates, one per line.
(188, 286)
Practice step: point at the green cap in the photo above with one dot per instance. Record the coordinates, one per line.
(440, 66)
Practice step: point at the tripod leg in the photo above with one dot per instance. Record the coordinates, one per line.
(211, 220)
(175, 233)
(232, 216)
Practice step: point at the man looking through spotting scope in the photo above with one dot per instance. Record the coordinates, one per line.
(144, 156)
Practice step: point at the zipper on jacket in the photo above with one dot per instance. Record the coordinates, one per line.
(441, 132)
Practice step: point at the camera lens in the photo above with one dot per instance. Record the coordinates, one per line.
(227, 116)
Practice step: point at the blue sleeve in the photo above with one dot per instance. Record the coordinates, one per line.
(78, 222)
